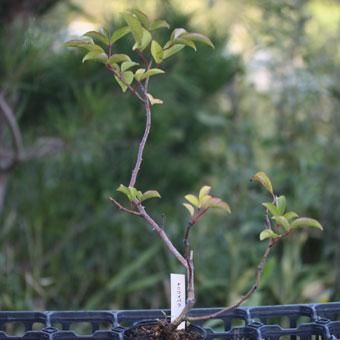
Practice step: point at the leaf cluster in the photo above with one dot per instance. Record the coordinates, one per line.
(200, 204)
(100, 47)
(284, 221)
(135, 195)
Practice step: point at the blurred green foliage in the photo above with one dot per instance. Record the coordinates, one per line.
(62, 246)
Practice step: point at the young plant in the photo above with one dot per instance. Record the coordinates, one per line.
(133, 75)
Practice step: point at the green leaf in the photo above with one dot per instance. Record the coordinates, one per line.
(198, 37)
(168, 44)
(264, 180)
(139, 73)
(131, 193)
(142, 17)
(303, 222)
(204, 201)
(117, 58)
(159, 24)
(145, 41)
(80, 43)
(281, 204)
(115, 66)
(290, 215)
(135, 26)
(156, 52)
(98, 36)
(205, 190)
(121, 84)
(192, 199)
(95, 48)
(120, 33)
(150, 194)
(151, 72)
(87, 43)
(126, 65)
(154, 101)
(177, 32)
(123, 189)
(216, 202)
(96, 56)
(272, 208)
(282, 221)
(128, 77)
(168, 52)
(139, 195)
(134, 193)
(190, 208)
(186, 42)
(268, 233)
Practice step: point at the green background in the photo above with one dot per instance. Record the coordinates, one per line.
(267, 98)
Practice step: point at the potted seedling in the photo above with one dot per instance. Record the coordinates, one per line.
(134, 76)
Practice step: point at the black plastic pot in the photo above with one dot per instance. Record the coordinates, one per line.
(125, 333)
(305, 321)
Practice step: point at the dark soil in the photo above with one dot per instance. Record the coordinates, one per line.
(161, 331)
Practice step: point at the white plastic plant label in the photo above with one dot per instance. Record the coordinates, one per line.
(177, 282)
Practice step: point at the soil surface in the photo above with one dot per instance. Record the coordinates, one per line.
(161, 331)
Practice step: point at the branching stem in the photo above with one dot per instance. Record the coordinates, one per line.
(120, 207)
(187, 259)
(250, 292)
(140, 208)
(131, 89)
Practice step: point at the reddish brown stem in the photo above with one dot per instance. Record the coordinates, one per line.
(250, 292)
(142, 56)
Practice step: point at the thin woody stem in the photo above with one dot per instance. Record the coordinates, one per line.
(118, 74)
(162, 234)
(191, 282)
(141, 147)
(140, 208)
(120, 207)
(191, 297)
(253, 289)
(188, 228)
(131, 89)
(250, 292)
(142, 56)
(186, 241)
(188, 254)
